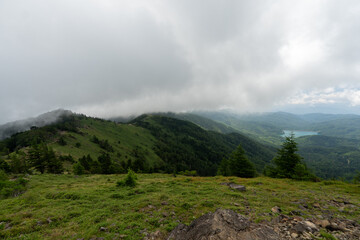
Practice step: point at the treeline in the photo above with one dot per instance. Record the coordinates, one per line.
(104, 164)
(38, 157)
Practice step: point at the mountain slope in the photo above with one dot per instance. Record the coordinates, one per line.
(8, 129)
(183, 143)
(148, 143)
(331, 157)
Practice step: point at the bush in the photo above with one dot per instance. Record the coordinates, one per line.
(129, 181)
(11, 188)
(357, 177)
(78, 169)
(191, 173)
(3, 175)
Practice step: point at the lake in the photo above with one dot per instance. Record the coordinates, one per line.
(298, 133)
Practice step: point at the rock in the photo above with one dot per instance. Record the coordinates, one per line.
(294, 235)
(335, 227)
(103, 229)
(222, 224)
(236, 204)
(276, 209)
(322, 223)
(304, 226)
(316, 205)
(234, 186)
(164, 203)
(298, 219)
(296, 213)
(311, 225)
(237, 187)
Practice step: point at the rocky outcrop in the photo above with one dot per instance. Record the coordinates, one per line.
(228, 225)
(223, 224)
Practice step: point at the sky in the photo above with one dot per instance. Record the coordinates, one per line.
(110, 58)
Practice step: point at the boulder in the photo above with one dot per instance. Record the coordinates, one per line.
(223, 224)
(237, 187)
(234, 186)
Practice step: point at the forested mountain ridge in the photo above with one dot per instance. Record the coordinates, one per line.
(333, 153)
(183, 140)
(148, 143)
(162, 142)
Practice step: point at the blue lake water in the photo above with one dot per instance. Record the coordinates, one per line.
(297, 133)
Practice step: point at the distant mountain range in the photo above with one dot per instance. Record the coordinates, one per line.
(199, 140)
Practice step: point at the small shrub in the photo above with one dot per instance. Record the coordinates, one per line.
(11, 188)
(186, 206)
(191, 173)
(62, 141)
(129, 181)
(3, 176)
(117, 196)
(208, 204)
(327, 236)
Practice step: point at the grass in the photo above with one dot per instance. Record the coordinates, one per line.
(124, 138)
(73, 207)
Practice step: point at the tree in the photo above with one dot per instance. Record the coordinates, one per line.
(4, 165)
(239, 165)
(105, 163)
(287, 159)
(288, 163)
(35, 157)
(43, 158)
(78, 169)
(53, 163)
(223, 168)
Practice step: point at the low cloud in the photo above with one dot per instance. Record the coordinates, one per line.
(116, 58)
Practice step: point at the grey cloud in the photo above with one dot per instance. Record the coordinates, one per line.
(109, 58)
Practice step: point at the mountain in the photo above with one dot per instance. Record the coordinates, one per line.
(147, 143)
(332, 154)
(331, 157)
(8, 129)
(182, 142)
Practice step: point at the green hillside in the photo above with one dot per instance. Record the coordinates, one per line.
(183, 144)
(149, 143)
(345, 127)
(203, 122)
(331, 157)
(335, 153)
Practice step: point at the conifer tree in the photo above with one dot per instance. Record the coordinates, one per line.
(288, 163)
(239, 164)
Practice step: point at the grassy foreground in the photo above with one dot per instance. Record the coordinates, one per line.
(73, 207)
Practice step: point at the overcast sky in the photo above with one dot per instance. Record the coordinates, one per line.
(115, 58)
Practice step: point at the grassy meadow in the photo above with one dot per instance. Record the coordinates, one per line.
(90, 206)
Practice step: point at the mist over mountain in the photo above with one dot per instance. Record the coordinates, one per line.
(8, 129)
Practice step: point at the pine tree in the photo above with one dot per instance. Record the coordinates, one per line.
(287, 158)
(239, 164)
(288, 163)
